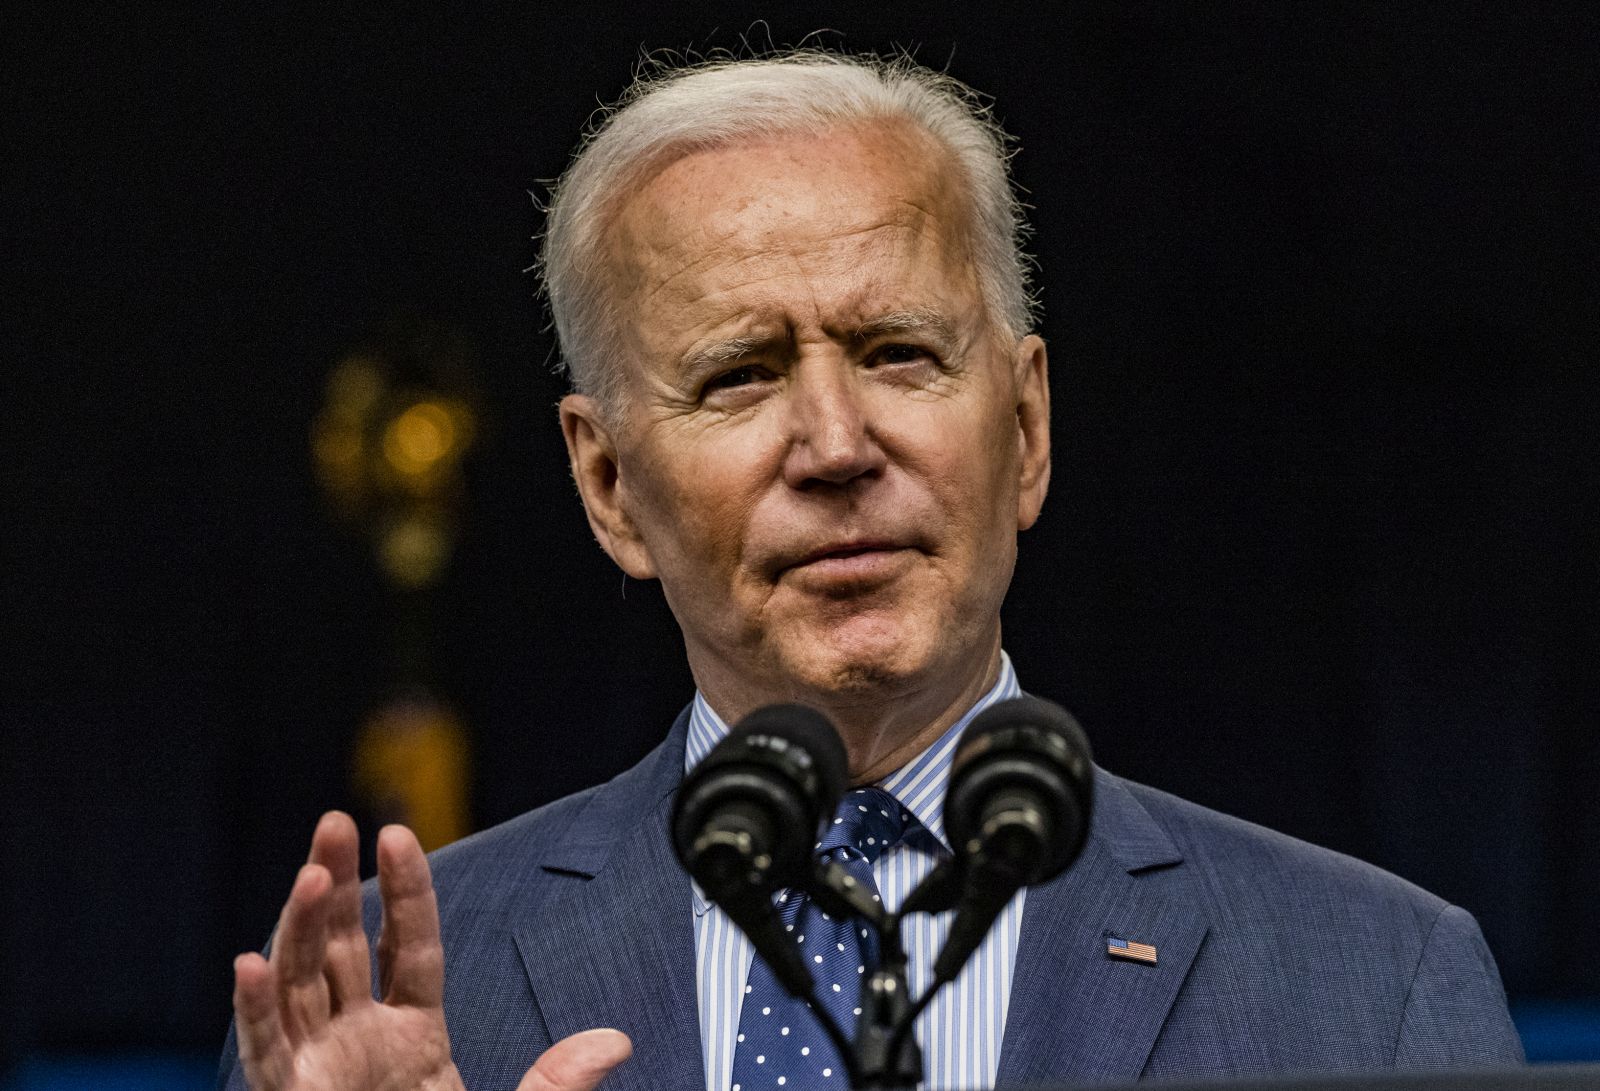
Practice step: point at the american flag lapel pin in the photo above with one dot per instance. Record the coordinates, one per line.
(1117, 947)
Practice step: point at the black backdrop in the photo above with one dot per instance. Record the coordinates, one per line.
(1320, 286)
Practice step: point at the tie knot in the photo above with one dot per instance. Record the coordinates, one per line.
(867, 822)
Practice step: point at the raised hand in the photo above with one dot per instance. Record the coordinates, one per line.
(307, 1019)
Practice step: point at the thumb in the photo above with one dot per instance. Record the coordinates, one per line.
(578, 1062)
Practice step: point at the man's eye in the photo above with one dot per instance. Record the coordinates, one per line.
(739, 376)
(900, 354)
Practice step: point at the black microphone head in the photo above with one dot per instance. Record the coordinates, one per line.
(1023, 762)
(746, 818)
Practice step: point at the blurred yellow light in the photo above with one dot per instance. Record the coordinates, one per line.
(419, 438)
(355, 385)
(411, 765)
(414, 551)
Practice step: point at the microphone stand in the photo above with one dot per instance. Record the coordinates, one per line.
(885, 1055)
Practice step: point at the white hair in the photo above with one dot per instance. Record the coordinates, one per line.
(717, 103)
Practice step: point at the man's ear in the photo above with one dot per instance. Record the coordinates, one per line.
(1033, 428)
(595, 467)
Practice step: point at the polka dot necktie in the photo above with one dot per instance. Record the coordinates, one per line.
(780, 1043)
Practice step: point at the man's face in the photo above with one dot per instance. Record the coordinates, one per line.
(827, 447)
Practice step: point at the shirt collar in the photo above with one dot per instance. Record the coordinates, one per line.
(919, 784)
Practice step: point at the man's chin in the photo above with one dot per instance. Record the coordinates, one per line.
(867, 665)
(857, 679)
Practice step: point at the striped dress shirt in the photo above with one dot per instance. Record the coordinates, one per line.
(960, 1032)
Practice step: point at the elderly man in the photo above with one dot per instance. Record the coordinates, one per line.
(793, 305)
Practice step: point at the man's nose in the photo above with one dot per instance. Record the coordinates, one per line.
(831, 436)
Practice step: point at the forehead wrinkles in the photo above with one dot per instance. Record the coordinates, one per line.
(741, 212)
(854, 274)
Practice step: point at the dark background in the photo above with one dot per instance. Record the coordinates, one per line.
(1320, 285)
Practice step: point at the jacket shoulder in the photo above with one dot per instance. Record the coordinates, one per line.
(491, 877)
(510, 854)
(1377, 971)
(1247, 868)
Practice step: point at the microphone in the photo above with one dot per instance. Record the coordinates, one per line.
(747, 817)
(1016, 812)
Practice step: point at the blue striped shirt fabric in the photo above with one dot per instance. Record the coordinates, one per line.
(961, 1030)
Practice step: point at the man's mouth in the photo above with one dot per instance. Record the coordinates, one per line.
(848, 549)
(845, 565)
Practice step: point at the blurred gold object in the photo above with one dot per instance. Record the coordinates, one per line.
(411, 767)
(413, 550)
(389, 446)
(423, 437)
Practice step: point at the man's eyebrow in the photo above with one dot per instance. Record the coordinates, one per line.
(716, 354)
(927, 322)
(727, 350)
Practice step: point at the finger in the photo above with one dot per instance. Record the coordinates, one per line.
(299, 953)
(410, 957)
(578, 1062)
(263, 1048)
(336, 845)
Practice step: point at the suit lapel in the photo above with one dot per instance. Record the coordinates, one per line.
(1076, 1013)
(614, 945)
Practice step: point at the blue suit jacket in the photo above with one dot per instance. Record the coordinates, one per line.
(1274, 956)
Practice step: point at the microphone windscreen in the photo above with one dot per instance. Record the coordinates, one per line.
(1024, 745)
(766, 787)
(807, 732)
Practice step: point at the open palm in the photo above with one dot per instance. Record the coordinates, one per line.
(307, 1019)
